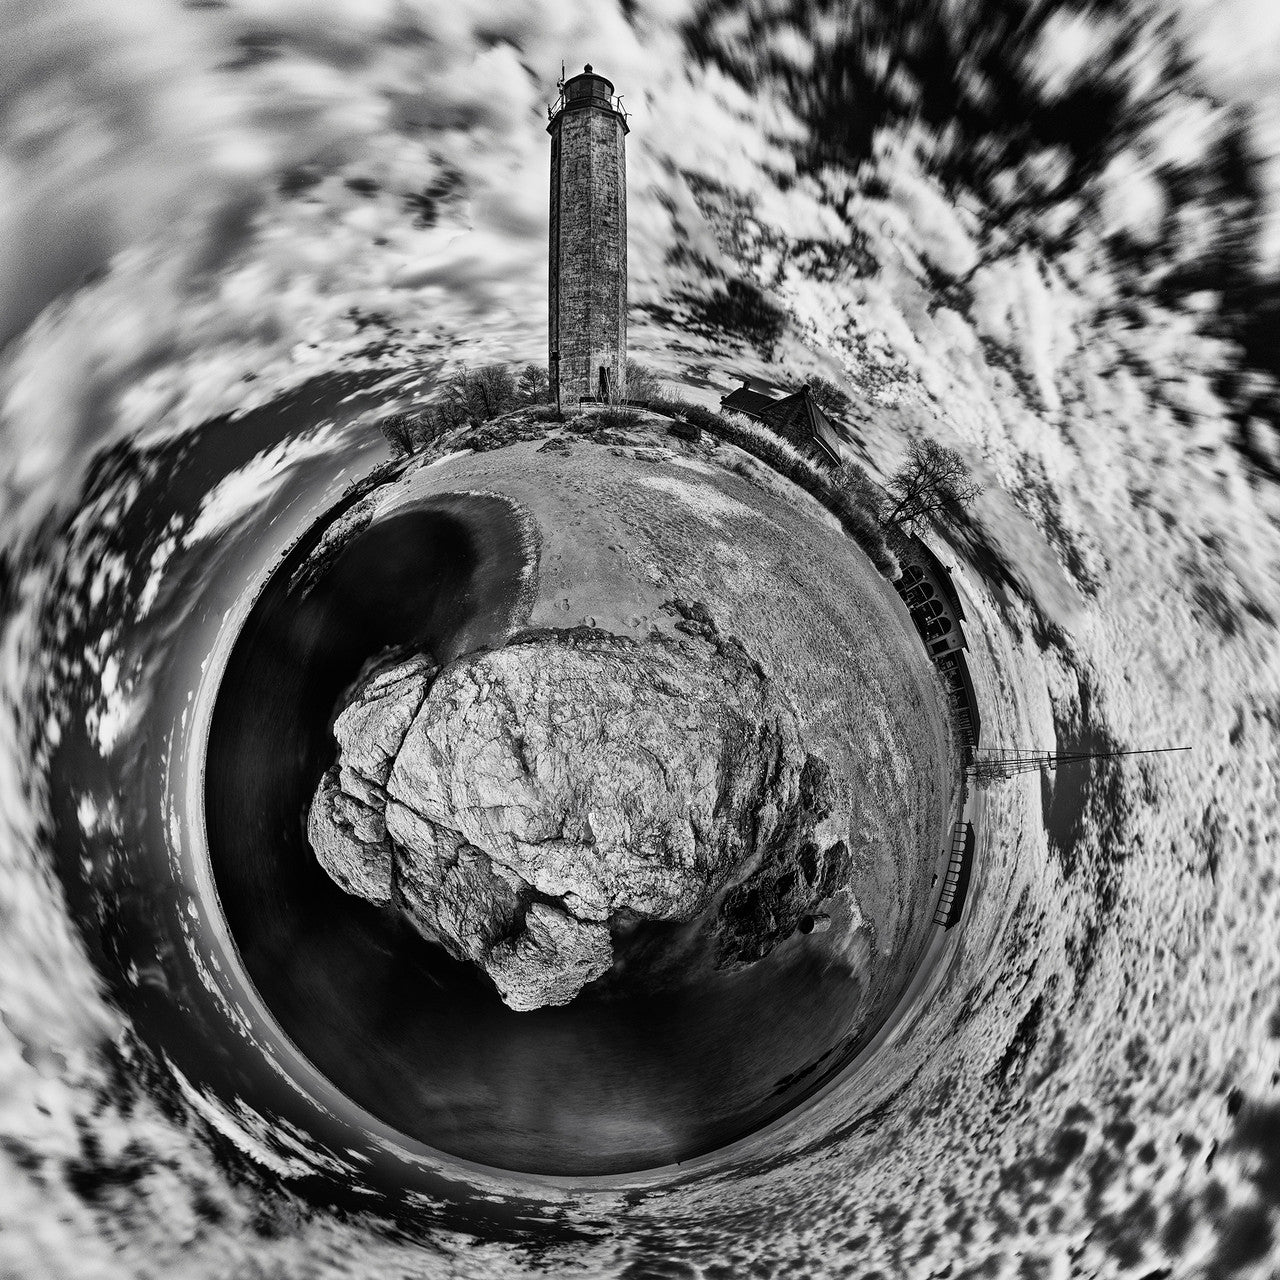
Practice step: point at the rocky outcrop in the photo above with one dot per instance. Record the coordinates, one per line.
(347, 824)
(550, 960)
(335, 539)
(794, 873)
(519, 802)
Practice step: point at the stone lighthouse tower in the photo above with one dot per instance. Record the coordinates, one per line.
(587, 304)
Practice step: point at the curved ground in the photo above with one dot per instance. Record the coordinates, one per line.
(461, 554)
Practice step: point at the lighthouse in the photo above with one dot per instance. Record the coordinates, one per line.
(587, 296)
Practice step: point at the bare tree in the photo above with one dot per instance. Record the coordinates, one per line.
(436, 419)
(933, 481)
(490, 390)
(402, 432)
(450, 408)
(476, 395)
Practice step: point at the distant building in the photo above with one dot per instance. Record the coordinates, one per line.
(799, 417)
(930, 594)
(954, 670)
(587, 298)
(927, 590)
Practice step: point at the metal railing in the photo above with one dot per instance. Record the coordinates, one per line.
(956, 881)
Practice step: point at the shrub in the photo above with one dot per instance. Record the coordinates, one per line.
(545, 413)
(707, 419)
(861, 489)
(672, 406)
(641, 383)
(618, 416)
(766, 444)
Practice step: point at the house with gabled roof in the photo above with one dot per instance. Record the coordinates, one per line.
(798, 417)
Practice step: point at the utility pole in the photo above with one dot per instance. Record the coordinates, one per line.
(998, 764)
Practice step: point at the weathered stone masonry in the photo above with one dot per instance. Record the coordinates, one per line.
(587, 302)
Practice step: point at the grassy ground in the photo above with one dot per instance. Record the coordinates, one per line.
(808, 472)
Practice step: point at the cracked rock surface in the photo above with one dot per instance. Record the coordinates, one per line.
(517, 802)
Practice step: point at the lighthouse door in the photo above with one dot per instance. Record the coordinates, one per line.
(604, 383)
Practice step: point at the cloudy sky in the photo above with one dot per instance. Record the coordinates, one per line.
(231, 180)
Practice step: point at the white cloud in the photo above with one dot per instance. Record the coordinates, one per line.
(158, 159)
(242, 492)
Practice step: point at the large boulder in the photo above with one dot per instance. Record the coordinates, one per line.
(347, 823)
(521, 801)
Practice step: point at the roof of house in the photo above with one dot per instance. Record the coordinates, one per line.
(799, 414)
(948, 585)
(744, 400)
(802, 414)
